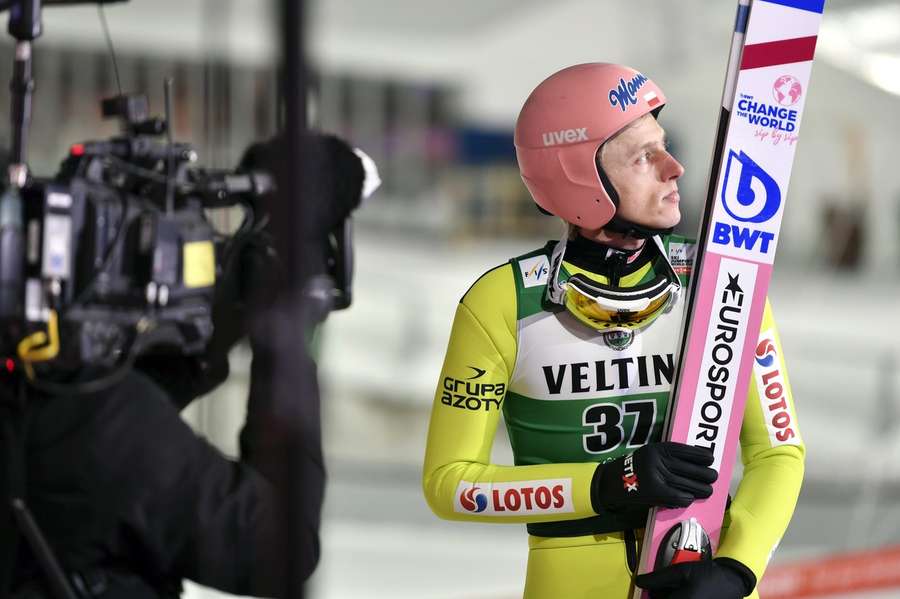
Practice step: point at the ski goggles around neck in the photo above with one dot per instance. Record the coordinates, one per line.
(604, 307)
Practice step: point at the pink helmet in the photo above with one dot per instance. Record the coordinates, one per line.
(564, 122)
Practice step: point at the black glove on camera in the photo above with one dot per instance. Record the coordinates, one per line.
(659, 474)
(720, 578)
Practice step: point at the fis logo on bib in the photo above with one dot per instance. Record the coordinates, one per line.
(516, 498)
(535, 271)
(750, 201)
(772, 390)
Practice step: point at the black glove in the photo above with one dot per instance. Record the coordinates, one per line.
(720, 578)
(250, 269)
(659, 474)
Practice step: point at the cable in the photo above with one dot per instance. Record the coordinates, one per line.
(109, 42)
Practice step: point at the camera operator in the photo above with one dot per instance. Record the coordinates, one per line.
(130, 500)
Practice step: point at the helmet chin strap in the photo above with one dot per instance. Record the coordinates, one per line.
(634, 230)
(619, 225)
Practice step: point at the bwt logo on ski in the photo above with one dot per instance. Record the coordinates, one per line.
(625, 94)
(514, 499)
(470, 394)
(568, 136)
(770, 116)
(772, 394)
(749, 195)
(724, 356)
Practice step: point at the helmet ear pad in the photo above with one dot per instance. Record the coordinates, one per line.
(590, 207)
(573, 176)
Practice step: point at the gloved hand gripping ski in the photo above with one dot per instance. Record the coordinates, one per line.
(666, 474)
(720, 578)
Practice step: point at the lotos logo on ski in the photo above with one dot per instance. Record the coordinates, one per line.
(625, 94)
(751, 199)
(519, 498)
(787, 90)
(628, 475)
(471, 394)
(773, 392)
(472, 501)
(777, 117)
(714, 397)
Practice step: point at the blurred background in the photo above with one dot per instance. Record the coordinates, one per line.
(431, 91)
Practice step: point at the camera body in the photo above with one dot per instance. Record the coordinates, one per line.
(116, 251)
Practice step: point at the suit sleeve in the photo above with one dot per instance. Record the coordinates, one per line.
(459, 481)
(772, 453)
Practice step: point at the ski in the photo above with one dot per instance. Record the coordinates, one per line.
(765, 87)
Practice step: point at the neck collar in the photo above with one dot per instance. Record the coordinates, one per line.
(556, 288)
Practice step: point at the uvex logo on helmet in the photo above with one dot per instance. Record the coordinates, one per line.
(568, 136)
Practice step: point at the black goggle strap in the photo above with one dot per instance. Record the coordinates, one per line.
(617, 298)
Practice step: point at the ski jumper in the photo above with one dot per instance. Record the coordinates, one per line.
(572, 397)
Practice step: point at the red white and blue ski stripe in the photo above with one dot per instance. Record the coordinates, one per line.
(816, 6)
(781, 34)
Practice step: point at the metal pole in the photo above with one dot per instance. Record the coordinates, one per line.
(292, 423)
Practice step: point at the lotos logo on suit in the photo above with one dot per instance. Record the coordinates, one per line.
(472, 501)
(515, 498)
(772, 389)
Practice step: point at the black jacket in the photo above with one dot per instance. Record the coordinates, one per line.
(118, 481)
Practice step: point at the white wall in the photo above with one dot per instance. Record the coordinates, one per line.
(683, 46)
(495, 60)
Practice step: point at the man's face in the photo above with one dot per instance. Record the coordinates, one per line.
(644, 174)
